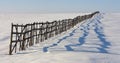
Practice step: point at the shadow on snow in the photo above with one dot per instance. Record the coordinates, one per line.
(98, 30)
(45, 49)
(81, 40)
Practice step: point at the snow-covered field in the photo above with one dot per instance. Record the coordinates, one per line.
(95, 40)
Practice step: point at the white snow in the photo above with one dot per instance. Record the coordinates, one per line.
(95, 40)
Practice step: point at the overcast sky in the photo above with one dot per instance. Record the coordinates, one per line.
(59, 5)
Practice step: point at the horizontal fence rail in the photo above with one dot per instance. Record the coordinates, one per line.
(24, 36)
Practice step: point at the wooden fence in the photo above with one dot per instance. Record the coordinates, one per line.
(24, 36)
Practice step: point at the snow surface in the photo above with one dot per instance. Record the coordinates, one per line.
(95, 40)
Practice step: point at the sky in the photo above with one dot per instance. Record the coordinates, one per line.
(51, 6)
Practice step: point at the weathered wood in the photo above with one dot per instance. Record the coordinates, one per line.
(30, 34)
(10, 46)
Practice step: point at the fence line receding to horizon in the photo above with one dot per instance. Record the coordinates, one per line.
(24, 36)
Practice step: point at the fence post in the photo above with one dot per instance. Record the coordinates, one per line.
(16, 37)
(56, 27)
(10, 46)
(41, 29)
(31, 35)
(46, 30)
(23, 43)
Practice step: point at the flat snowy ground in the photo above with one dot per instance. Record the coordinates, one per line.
(95, 40)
